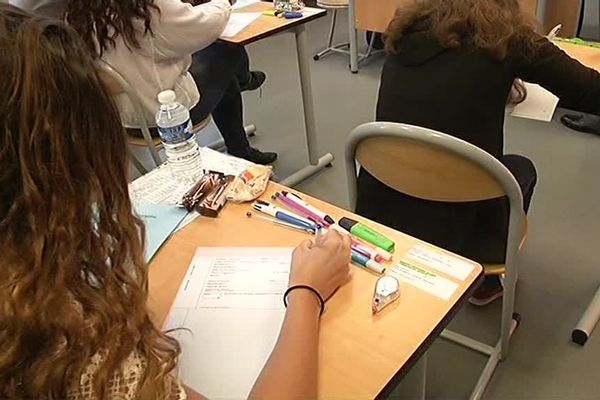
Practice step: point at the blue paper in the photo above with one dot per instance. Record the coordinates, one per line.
(160, 220)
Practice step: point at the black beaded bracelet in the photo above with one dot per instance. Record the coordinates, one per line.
(291, 288)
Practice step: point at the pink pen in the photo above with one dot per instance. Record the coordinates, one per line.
(361, 251)
(307, 213)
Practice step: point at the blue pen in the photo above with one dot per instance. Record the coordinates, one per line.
(282, 215)
(292, 14)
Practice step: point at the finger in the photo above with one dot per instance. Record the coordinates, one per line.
(307, 244)
(332, 238)
(319, 241)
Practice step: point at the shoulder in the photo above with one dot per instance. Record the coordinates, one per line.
(123, 385)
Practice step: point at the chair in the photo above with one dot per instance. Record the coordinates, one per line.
(336, 5)
(434, 166)
(117, 84)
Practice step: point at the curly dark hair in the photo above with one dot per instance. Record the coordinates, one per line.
(100, 22)
(492, 25)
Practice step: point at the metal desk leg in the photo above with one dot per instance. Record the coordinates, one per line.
(316, 163)
(352, 37)
(588, 321)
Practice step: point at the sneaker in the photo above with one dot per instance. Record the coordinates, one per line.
(257, 78)
(256, 156)
(490, 290)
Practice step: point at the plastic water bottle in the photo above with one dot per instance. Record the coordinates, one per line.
(179, 140)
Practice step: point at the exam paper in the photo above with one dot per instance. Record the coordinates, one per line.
(230, 302)
(540, 104)
(243, 3)
(238, 21)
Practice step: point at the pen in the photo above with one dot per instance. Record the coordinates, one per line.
(266, 209)
(366, 262)
(282, 223)
(274, 209)
(298, 200)
(302, 210)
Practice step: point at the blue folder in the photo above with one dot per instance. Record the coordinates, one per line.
(160, 220)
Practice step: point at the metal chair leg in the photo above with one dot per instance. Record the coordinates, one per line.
(137, 164)
(329, 47)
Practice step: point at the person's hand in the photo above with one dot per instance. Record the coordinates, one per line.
(323, 264)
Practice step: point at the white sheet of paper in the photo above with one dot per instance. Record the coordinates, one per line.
(424, 280)
(443, 262)
(238, 21)
(159, 187)
(230, 302)
(243, 3)
(540, 104)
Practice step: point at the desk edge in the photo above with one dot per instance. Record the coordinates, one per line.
(280, 29)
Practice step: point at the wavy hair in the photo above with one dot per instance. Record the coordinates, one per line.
(491, 25)
(100, 22)
(73, 281)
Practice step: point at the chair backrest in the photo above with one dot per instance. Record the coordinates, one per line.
(431, 165)
(333, 3)
(116, 84)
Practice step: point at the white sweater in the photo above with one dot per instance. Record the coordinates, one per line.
(163, 59)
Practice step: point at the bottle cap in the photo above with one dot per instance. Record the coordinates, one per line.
(167, 97)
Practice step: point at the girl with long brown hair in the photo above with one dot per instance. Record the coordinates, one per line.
(450, 67)
(168, 44)
(73, 281)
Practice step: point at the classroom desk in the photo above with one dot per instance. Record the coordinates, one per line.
(360, 355)
(364, 16)
(266, 26)
(588, 56)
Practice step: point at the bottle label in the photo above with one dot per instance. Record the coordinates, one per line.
(176, 134)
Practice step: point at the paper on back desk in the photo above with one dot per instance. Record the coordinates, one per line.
(230, 301)
(238, 21)
(160, 221)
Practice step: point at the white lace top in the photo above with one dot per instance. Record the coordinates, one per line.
(122, 387)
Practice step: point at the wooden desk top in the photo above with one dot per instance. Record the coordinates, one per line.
(359, 354)
(267, 25)
(588, 56)
(375, 16)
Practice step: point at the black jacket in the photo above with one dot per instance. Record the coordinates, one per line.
(462, 92)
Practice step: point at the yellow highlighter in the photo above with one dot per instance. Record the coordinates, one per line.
(269, 13)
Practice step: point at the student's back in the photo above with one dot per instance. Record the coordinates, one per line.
(450, 67)
(459, 91)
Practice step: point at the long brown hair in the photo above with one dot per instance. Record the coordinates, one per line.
(491, 25)
(100, 22)
(73, 281)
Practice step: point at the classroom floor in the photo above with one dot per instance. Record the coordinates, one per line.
(560, 268)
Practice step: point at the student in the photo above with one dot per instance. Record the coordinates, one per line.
(74, 321)
(151, 43)
(450, 67)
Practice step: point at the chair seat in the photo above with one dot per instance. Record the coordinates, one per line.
(494, 269)
(140, 141)
(333, 3)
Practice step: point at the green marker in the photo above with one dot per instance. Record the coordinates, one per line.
(366, 233)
